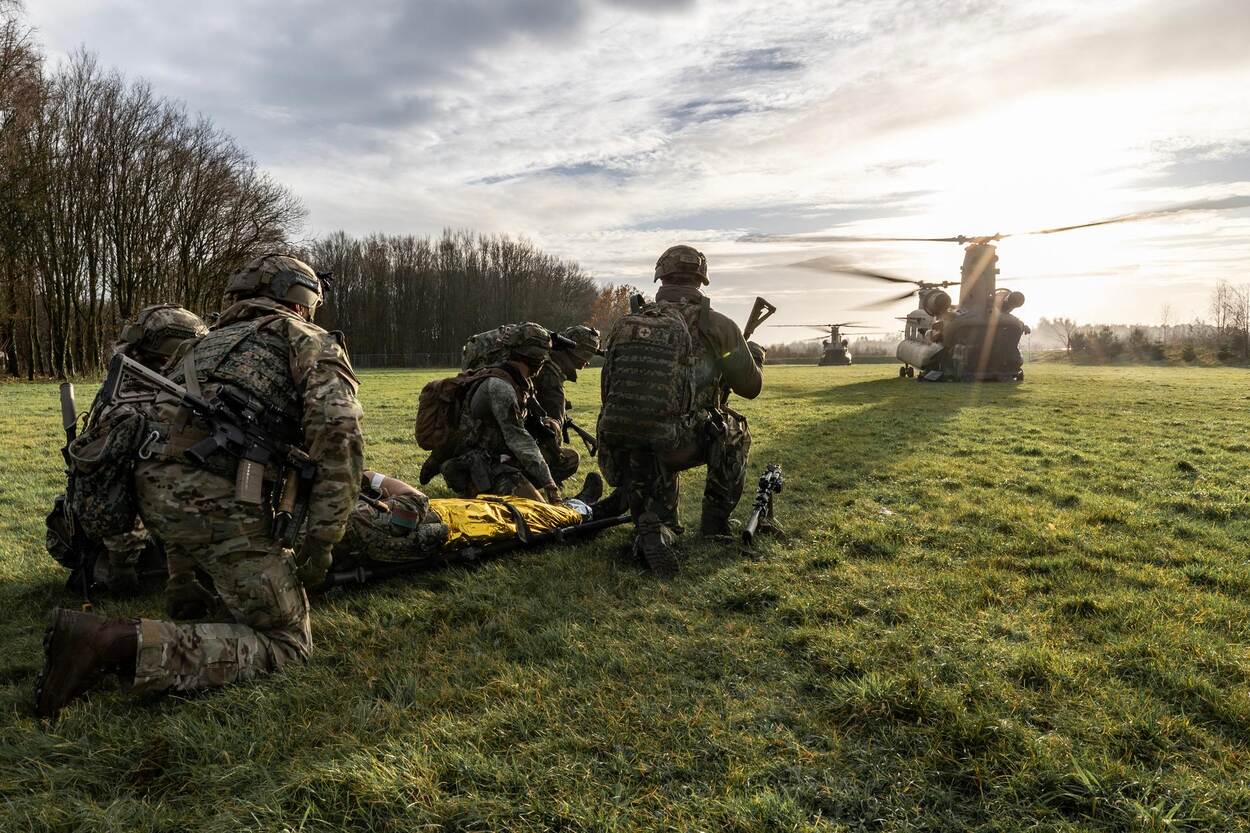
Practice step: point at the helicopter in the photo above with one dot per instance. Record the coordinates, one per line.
(978, 338)
(833, 346)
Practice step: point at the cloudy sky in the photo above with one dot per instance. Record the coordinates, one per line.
(606, 130)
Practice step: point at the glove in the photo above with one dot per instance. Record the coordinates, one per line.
(552, 492)
(757, 353)
(313, 561)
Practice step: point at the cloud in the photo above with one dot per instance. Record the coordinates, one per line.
(607, 129)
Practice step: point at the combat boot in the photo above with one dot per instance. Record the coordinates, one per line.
(715, 525)
(592, 489)
(77, 649)
(654, 547)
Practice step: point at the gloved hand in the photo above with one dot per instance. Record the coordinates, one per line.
(757, 353)
(313, 561)
(552, 492)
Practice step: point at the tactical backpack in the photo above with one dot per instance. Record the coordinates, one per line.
(100, 494)
(440, 403)
(485, 349)
(648, 378)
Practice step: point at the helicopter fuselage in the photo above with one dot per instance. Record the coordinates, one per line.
(978, 340)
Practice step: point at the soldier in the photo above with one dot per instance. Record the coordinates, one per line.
(645, 442)
(264, 346)
(495, 453)
(153, 337)
(549, 390)
(402, 525)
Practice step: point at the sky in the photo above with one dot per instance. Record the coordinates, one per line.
(607, 130)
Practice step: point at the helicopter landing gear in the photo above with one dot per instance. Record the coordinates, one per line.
(902, 373)
(911, 372)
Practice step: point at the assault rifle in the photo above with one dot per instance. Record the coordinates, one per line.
(761, 517)
(69, 417)
(240, 426)
(591, 441)
(761, 311)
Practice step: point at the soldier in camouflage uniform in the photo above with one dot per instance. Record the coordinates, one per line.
(496, 454)
(153, 337)
(549, 390)
(264, 346)
(711, 434)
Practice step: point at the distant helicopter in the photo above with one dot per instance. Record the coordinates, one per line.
(977, 339)
(834, 348)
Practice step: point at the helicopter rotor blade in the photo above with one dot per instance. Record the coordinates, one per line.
(828, 264)
(882, 303)
(1202, 205)
(838, 238)
(822, 326)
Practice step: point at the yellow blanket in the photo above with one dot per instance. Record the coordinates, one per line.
(477, 521)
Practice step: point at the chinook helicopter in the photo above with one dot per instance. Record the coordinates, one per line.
(834, 348)
(977, 339)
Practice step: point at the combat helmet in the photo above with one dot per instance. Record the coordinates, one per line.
(531, 341)
(159, 329)
(586, 340)
(276, 276)
(682, 260)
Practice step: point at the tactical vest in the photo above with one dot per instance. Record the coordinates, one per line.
(253, 357)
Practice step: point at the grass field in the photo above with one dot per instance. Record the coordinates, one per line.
(997, 608)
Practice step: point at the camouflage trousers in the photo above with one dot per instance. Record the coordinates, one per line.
(201, 524)
(371, 537)
(562, 460)
(125, 548)
(652, 482)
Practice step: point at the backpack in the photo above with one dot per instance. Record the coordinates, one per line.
(100, 494)
(440, 403)
(485, 349)
(648, 378)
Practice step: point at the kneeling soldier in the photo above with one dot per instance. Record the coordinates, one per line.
(549, 384)
(495, 453)
(264, 347)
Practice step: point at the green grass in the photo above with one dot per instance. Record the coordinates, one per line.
(998, 608)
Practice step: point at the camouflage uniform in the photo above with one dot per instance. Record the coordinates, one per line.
(497, 455)
(264, 349)
(549, 392)
(372, 534)
(154, 336)
(711, 435)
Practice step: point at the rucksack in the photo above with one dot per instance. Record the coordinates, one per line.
(648, 378)
(100, 493)
(485, 349)
(440, 403)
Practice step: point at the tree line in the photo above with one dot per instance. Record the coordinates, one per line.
(406, 300)
(1226, 335)
(113, 197)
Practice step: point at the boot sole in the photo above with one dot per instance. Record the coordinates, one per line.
(658, 558)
